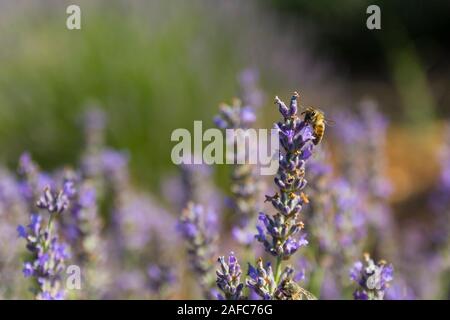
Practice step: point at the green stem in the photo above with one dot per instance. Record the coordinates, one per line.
(317, 280)
(278, 270)
(49, 228)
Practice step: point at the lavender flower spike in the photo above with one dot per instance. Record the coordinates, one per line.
(280, 233)
(56, 202)
(48, 254)
(229, 278)
(261, 280)
(245, 186)
(32, 180)
(197, 229)
(373, 279)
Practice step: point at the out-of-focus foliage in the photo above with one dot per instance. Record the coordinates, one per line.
(342, 33)
(150, 65)
(154, 66)
(398, 61)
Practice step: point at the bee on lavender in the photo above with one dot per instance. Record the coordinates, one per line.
(316, 118)
(290, 290)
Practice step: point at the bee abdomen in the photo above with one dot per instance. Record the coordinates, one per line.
(319, 130)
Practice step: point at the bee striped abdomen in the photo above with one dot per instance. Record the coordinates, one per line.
(319, 130)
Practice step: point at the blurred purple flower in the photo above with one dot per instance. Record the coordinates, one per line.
(198, 229)
(245, 186)
(160, 278)
(362, 139)
(33, 181)
(440, 198)
(372, 279)
(249, 91)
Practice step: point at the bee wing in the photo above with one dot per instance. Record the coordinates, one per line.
(330, 122)
(306, 293)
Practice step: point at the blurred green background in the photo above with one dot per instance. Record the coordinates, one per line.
(158, 65)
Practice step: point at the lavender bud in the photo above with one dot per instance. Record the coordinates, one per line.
(228, 278)
(261, 280)
(372, 279)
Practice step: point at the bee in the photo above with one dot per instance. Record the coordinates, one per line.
(290, 290)
(316, 118)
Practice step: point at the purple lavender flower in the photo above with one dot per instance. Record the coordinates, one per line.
(372, 279)
(362, 142)
(94, 133)
(160, 278)
(261, 280)
(376, 127)
(304, 269)
(400, 290)
(349, 135)
(270, 232)
(81, 227)
(195, 186)
(235, 116)
(245, 187)
(13, 209)
(140, 221)
(350, 218)
(139, 226)
(229, 278)
(198, 228)
(48, 253)
(243, 235)
(439, 259)
(130, 283)
(141, 229)
(440, 198)
(362, 139)
(100, 164)
(33, 181)
(55, 202)
(280, 233)
(249, 90)
(142, 234)
(94, 127)
(113, 162)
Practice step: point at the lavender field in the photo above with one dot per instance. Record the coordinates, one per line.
(93, 205)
